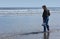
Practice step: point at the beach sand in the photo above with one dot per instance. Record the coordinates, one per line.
(29, 27)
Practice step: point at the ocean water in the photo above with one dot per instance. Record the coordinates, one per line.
(13, 23)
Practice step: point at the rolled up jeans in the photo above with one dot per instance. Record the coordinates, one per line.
(45, 20)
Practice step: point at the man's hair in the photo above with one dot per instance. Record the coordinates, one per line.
(44, 6)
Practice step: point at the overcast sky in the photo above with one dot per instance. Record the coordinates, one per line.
(29, 3)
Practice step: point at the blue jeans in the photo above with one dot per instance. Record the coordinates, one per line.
(45, 20)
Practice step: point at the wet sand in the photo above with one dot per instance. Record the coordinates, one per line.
(47, 35)
(29, 27)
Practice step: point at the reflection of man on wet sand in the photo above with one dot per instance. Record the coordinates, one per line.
(46, 35)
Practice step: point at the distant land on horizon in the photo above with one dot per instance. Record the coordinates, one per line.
(17, 8)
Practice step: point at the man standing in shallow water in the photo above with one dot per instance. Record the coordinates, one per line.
(45, 16)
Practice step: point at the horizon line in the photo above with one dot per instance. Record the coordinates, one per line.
(17, 8)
